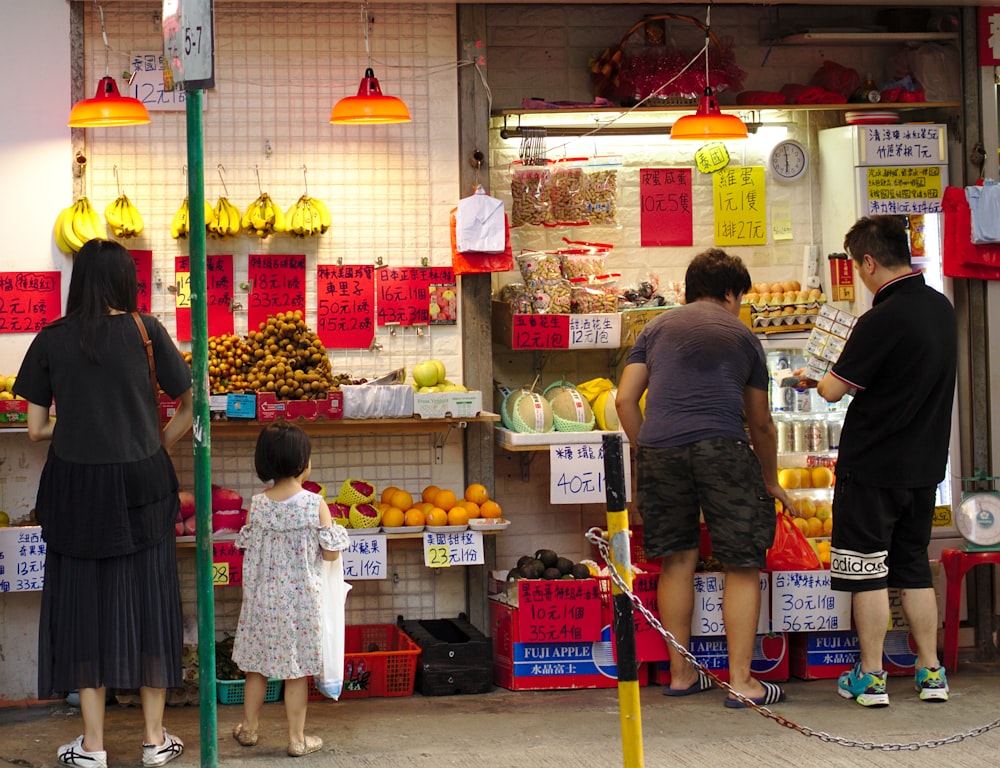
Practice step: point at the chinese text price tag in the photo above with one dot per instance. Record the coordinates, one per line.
(442, 550)
(365, 558)
(576, 472)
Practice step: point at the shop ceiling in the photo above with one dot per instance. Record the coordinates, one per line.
(376, 3)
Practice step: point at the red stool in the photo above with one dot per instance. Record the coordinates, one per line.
(956, 562)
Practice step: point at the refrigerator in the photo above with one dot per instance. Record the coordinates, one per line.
(896, 169)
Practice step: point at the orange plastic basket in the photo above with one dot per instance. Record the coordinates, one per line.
(379, 660)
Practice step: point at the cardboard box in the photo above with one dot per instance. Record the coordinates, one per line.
(824, 655)
(802, 601)
(554, 610)
(270, 408)
(377, 401)
(770, 659)
(241, 405)
(558, 666)
(13, 411)
(439, 405)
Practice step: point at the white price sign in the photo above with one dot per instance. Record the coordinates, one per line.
(576, 471)
(442, 550)
(802, 601)
(365, 558)
(22, 559)
(595, 331)
(188, 44)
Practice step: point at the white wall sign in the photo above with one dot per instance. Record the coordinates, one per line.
(576, 472)
(802, 601)
(365, 558)
(22, 559)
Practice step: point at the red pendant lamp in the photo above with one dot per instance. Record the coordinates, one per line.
(370, 106)
(708, 122)
(108, 108)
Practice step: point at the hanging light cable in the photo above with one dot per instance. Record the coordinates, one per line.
(708, 122)
(108, 108)
(370, 106)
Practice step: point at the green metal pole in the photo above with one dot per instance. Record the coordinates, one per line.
(202, 433)
(629, 711)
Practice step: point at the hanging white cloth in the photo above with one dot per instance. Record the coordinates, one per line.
(479, 223)
(984, 204)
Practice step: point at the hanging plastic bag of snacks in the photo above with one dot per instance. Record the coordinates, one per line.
(539, 265)
(602, 189)
(530, 190)
(568, 193)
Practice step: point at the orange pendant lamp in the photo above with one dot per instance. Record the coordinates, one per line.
(708, 122)
(370, 106)
(108, 108)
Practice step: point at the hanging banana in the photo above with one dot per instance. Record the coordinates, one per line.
(123, 217)
(308, 217)
(263, 217)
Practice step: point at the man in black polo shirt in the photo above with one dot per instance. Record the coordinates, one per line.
(899, 364)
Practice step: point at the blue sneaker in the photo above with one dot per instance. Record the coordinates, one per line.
(932, 683)
(866, 688)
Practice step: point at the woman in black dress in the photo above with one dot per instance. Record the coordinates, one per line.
(107, 502)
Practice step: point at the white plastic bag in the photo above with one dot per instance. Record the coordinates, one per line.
(335, 590)
(480, 224)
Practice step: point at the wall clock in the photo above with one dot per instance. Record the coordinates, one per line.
(789, 161)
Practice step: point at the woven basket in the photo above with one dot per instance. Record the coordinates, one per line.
(632, 70)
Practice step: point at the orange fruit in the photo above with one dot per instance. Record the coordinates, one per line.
(490, 509)
(428, 493)
(414, 516)
(828, 526)
(392, 517)
(437, 516)
(805, 477)
(458, 516)
(822, 477)
(477, 492)
(445, 499)
(802, 524)
(471, 507)
(788, 478)
(387, 493)
(401, 499)
(815, 527)
(807, 510)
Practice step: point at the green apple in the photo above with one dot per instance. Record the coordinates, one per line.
(426, 374)
(440, 369)
(428, 390)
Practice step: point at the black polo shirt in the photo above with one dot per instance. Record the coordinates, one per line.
(901, 357)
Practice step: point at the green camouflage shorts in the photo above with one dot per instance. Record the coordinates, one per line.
(719, 477)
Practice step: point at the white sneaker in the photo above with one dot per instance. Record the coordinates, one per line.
(163, 753)
(74, 754)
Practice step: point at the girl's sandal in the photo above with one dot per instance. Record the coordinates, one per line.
(307, 747)
(244, 736)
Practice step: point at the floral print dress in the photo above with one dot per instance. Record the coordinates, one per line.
(278, 634)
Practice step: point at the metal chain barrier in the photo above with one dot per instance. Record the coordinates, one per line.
(596, 537)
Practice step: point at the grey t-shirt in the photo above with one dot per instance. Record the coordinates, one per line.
(700, 358)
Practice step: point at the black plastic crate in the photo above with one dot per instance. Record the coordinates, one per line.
(455, 657)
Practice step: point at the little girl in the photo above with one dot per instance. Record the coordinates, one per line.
(289, 532)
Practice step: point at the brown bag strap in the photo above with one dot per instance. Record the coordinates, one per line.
(149, 355)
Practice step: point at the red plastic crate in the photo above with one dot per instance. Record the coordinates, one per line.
(379, 660)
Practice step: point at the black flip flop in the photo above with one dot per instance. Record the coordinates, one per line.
(772, 695)
(704, 683)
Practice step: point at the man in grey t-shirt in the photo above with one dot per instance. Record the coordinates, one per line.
(704, 373)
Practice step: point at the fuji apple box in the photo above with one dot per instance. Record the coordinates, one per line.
(770, 659)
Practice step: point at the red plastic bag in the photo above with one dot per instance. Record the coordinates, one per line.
(464, 262)
(790, 550)
(962, 257)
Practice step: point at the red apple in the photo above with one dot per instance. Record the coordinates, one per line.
(189, 526)
(225, 499)
(187, 504)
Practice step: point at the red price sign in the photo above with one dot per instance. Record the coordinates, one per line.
(28, 300)
(540, 332)
(218, 290)
(277, 285)
(665, 217)
(345, 305)
(559, 611)
(403, 293)
(227, 564)
(144, 277)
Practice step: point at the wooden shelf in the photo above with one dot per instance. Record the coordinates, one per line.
(356, 427)
(819, 37)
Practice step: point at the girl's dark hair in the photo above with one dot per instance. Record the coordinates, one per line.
(103, 278)
(282, 451)
(714, 273)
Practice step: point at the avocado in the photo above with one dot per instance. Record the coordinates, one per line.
(524, 559)
(548, 557)
(580, 571)
(514, 574)
(564, 564)
(533, 569)
(552, 573)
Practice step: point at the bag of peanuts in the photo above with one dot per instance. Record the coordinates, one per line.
(602, 190)
(568, 193)
(530, 191)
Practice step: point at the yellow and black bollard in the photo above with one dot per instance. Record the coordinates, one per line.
(624, 620)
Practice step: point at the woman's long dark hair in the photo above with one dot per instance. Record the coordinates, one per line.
(103, 278)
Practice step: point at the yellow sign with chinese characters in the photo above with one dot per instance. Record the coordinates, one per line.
(739, 203)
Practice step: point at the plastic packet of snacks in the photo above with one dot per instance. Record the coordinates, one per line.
(550, 296)
(539, 265)
(530, 190)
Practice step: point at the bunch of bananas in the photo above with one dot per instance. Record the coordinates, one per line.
(76, 225)
(180, 225)
(263, 217)
(226, 220)
(309, 216)
(123, 217)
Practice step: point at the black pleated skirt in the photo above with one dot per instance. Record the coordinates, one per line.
(111, 606)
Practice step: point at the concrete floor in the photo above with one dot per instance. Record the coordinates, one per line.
(505, 729)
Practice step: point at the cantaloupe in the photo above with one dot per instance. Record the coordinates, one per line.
(570, 410)
(527, 411)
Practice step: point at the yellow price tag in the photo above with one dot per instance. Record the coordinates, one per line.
(436, 556)
(182, 296)
(711, 157)
(220, 574)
